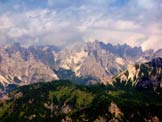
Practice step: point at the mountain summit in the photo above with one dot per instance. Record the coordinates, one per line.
(93, 62)
(145, 75)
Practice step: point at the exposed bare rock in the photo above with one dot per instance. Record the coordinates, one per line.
(19, 66)
(66, 109)
(114, 110)
(158, 53)
(97, 60)
(145, 75)
(94, 61)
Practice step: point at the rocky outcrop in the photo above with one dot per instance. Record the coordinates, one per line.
(96, 62)
(146, 75)
(20, 66)
(114, 110)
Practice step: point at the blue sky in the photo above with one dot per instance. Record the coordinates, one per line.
(68, 22)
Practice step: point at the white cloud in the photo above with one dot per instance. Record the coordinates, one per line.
(42, 25)
(153, 42)
(5, 22)
(153, 32)
(115, 37)
(138, 22)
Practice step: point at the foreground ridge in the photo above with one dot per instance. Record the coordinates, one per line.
(64, 101)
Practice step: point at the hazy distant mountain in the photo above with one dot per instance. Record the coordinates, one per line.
(158, 53)
(100, 61)
(23, 66)
(89, 63)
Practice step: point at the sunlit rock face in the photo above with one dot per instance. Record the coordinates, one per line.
(23, 66)
(92, 62)
(100, 61)
(145, 75)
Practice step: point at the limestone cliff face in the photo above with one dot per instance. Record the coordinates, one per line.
(98, 60)
(144, 75)
(94, 61)
(20, 66)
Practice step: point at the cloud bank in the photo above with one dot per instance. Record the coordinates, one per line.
(68, 22)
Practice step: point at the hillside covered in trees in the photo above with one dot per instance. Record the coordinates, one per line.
(64, 101)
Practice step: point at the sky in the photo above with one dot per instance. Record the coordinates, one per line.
(69, 22)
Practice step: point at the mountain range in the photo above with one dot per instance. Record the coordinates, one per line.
(90, 63)
(110, 83)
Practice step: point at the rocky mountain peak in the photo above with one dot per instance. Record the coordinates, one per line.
(124, 51)
(157, 62)
(145, 75)
(93, 61)
(21, 66)
(158, 53)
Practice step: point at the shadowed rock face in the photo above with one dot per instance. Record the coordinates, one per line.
(99, 60)
(146, 75)
(158, 53)
(156, 63)
(20, 66)
(123, 51)
(96, 61)
(102, 61)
